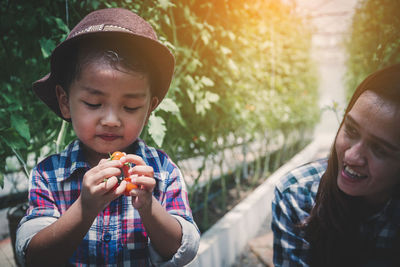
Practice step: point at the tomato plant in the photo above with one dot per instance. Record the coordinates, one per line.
(373, 41)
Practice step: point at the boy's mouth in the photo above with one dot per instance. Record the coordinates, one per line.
(108, 137)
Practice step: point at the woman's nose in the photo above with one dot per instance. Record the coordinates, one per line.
(355, 154)
(110, 118)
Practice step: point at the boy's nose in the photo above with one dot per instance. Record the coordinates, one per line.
(110, 119)
(355, 154)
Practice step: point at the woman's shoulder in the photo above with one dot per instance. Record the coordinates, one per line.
(295, 192)
(304, 178)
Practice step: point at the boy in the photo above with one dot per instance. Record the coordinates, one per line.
(106, 78)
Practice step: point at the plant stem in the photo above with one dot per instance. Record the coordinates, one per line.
(61, 136)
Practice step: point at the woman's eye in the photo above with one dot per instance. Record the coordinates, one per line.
(350, 130)
(92, 105)
(378, 150)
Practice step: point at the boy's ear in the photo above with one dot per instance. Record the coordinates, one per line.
(153, 104)
(63, 102)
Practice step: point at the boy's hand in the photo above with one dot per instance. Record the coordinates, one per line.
(97, 194)
(143, 176)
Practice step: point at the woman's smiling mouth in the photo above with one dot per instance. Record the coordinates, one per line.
(348, 172)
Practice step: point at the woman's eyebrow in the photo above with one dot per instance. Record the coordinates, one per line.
(349, 119)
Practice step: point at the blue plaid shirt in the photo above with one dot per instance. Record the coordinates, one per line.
(294, 198)
(117, 235)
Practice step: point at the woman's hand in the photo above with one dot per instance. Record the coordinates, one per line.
(100, 185)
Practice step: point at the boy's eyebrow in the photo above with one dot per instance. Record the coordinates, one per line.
(350, 119)
(92, 91)
(98, 92)
(136, 95)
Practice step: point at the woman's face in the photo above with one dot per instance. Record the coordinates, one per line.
(368, 149)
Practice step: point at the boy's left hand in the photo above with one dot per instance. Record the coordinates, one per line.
(143, 176)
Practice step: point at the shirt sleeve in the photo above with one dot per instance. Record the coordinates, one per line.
(26, 232)
(175, 201)
(41, 200)
(186, 252)
(42, 211)
(290, 247)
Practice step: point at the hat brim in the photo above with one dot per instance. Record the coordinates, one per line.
(161, 58)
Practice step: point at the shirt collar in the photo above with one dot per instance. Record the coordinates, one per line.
(389, 211)
(395, 211)
(70, 160)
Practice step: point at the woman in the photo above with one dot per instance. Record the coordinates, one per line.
(345, 211)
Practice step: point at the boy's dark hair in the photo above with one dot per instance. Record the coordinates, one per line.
(118, 55)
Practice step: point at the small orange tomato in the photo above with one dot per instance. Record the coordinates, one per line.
(129, 186)
(117, 155)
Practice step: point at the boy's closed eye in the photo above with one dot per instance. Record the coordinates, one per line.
(97, 105)
(131, 109)
(92, 105)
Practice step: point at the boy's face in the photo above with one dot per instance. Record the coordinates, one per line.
(108, 107)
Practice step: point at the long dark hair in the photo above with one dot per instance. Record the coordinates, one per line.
(333, 225)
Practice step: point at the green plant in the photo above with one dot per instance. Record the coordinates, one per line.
(374, 40)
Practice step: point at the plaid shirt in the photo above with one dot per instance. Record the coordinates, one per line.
(117, 235)
(294, 198)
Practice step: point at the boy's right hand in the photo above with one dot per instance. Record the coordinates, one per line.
(97, 194)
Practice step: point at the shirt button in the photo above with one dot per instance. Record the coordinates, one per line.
(107, 237)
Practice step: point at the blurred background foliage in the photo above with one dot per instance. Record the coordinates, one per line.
(243, 73)
(374, 41)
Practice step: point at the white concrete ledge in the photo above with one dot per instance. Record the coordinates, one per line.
(225, 240)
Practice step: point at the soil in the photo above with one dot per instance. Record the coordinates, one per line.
(215, 209)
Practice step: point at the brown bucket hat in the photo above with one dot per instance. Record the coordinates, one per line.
(121, 25)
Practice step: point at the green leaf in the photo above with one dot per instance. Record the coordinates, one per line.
(207, 81)
(157, 129)
(225, 50)
(61, 25)
(168, 105)
(8, 99)
(188, 78)
(205, 37)
(164, 4)
(232, 65)
(211, 97)
(167, 20)
(193, 65)
(191, 96)
(12, 140)
(47, 46)
(21, 126)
